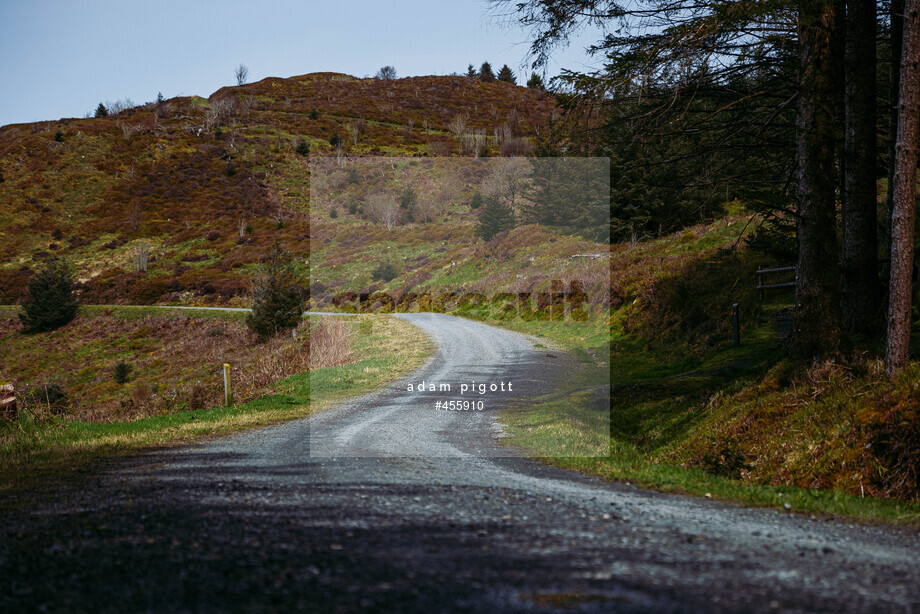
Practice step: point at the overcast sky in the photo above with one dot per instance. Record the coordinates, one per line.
(62, 58)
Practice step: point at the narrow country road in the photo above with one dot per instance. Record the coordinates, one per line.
(385, 504)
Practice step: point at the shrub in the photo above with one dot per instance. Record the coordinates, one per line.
(121, 371)
(724, 459)
(386, 271)
(408, 198)
(51, 302)
(277, 294)
(516, 147)
(314, 114)
(334, 213)
(353, 207)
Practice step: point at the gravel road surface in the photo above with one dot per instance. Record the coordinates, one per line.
(371, 508)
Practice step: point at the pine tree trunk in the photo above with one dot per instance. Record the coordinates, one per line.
(816, 327)
(860, 244)
(904, 193)
(894, 91)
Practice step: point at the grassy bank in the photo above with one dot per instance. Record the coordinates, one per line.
(35, 447)
(692, 413)
(739, 423)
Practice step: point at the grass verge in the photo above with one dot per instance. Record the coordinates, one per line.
(664, 411)
(33, 450)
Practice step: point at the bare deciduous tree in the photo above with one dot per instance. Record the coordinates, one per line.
(141, 255)
(457, 126)
(128, 130)
(241, 73)
(427, 208)
(280, 214)
(119, 105)
(382, 208)
(220, 111)
(503, 133)
(356, 130)
(387, 72)
(506, 179)
(247, 103)
(475, 142)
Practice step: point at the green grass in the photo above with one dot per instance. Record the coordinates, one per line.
(393, 348)
(662, 410)
(572, 419)
(32, 449)
(127, 312)
(625, 465)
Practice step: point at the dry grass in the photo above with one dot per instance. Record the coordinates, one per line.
(330, 344)
(176, 362)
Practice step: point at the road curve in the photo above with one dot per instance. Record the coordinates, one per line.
(386, 505)
(470, 358)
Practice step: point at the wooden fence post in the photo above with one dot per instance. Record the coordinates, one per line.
(228, 393)
(736, 325)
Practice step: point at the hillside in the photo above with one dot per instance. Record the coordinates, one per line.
(194, 190)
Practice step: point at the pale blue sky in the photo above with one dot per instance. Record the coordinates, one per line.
(61, 58)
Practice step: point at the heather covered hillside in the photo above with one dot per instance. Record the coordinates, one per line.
(407, 227)
(174, 201)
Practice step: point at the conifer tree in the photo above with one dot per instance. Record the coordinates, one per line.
(495, 217)
(101, 111)
(485, 73)
(535, 82)
(277, 294)
(506, 75)
(51, 302)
